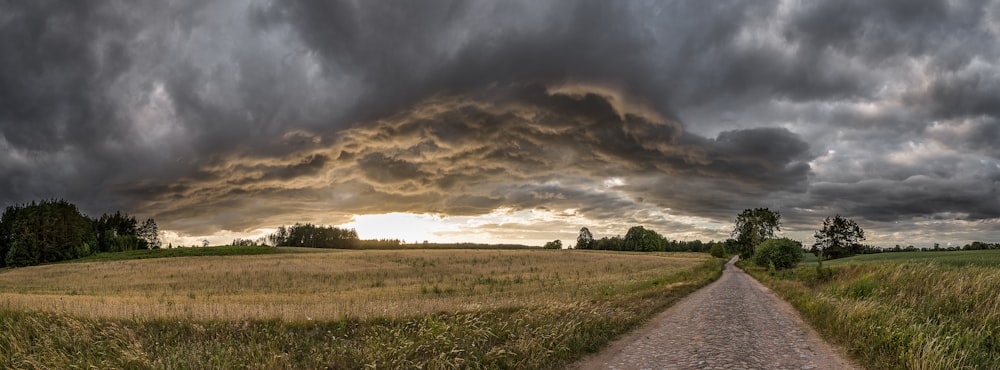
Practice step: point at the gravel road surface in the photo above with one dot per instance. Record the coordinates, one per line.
(734, 323)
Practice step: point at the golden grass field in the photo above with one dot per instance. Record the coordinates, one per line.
(331, 284)
(394, 309)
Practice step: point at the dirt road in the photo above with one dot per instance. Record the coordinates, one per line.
(734, 323)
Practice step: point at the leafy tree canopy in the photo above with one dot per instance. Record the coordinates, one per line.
(754, 226)
(150, 234)
(639, 238)
(585, 239)
(839, 237)
(780, 253)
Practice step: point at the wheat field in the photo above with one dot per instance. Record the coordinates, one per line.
(331, 284)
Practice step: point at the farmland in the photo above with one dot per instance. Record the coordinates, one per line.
(432, 308)
(916, 310)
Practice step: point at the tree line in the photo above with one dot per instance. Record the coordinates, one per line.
(754, 230)
(55, 230)
(314, 236)
(641, 239)
(976, 246)
(973, 246)
(838, 237)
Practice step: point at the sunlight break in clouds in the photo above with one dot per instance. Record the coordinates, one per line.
(408, 227)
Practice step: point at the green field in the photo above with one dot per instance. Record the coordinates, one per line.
(180, 252)
(902, 310)
(952, 258)
(534, 309)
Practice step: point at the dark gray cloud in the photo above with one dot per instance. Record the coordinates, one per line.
(403, 52)
(52, 108)
(234, 116)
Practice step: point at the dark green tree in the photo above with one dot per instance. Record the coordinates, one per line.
(23, 253)
(279, 237)
(754, 226)
(8, 231)
(150, 234)
(641, 239)
(555, 244)
(838, 238)
(47, 231)
(239, 242)
(718, 250)
(585, 239)
(118, 232)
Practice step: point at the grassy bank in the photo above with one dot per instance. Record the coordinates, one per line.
(902, 315)
(479, 327)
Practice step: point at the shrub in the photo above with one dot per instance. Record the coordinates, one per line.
(780, 253)
(555, 244)
(718, 250)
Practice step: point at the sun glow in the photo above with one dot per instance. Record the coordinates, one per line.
(408, 227)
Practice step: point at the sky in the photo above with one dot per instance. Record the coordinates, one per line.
(508, 121)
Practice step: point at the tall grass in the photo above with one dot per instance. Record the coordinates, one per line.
(901, 315)
(329, 284)
(494, 309)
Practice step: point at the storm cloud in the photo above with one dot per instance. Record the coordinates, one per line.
(235, 116)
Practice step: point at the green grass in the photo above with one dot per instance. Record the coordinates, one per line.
(808, 258)
(178, 252)
(227, 250)
(919, 310)
(952, 258)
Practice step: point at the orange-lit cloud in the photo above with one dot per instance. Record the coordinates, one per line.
(520, 147)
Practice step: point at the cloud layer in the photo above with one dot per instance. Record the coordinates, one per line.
(238, 116)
